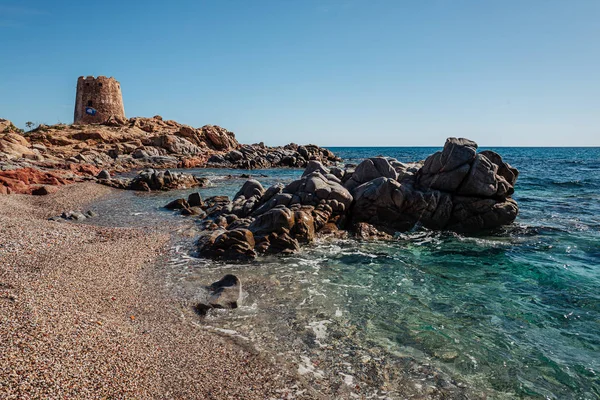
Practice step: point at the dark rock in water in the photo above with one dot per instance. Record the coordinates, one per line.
(304, 224)
(236, 244)
(471, 214)
(453, 189)
(507, 172)
(276, 219)
(193, 211)
(178, 204)
(365, 231)
(194, 200)
(225, 293)
(259, 156)
(150, 179)
(281, 243)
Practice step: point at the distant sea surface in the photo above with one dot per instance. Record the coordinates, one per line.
(513, 313)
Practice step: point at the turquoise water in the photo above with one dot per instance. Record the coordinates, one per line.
(510, 313)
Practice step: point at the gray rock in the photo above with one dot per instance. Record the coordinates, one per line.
(313, 166)
(251, 188)
(225, 293)
(481, 180)
(104, 174)
(370, 169)
(472, 214)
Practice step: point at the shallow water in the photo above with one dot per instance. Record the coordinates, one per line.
(512, 313)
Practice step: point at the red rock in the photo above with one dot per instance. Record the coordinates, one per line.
(20, 180)
(192, 162)
(84, 169)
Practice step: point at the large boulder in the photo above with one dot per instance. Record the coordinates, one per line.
(14, 146)
(314, 188)
(277, 219)
(473, 214)
(236, 244)
(369, 169)
(219, 138)
(458, 169)
(251, 188)
(509, 173)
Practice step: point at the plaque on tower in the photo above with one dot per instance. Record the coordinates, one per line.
(90, 111)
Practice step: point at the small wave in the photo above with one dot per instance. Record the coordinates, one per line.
(570, 184)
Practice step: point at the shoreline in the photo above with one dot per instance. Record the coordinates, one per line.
(84, 314)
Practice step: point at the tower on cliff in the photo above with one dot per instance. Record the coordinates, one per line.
(97, 100)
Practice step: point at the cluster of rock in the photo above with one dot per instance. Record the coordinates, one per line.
(133, 144)
(257, 156)
(150, 180)
(75, 215)
(137, 143)
(454, 189)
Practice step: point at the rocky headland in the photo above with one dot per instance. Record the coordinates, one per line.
(456, 189)
(60, 154)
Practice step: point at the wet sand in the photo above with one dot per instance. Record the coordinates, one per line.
(83, 314)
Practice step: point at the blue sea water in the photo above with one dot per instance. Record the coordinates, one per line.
(513, 313)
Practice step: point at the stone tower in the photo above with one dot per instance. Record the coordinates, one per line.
(97, 100)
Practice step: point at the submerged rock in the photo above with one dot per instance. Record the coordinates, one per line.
(225, 293)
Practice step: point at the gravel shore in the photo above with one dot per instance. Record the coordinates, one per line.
(83, 315)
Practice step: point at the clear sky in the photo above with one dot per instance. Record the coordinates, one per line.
(330, 72)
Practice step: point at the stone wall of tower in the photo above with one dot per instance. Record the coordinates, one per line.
(101, 94)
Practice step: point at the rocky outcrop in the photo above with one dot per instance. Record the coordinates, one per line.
(260, 156)
(454, 189)
(154, 180)
(133, 144)
(122, 145)
(34, 181)
(8, 127)
(14, 146)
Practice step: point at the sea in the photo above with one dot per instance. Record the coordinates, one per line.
(510, 313)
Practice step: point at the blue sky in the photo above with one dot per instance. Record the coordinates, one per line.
(330, 72)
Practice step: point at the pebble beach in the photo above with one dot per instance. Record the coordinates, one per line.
(83, 315)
